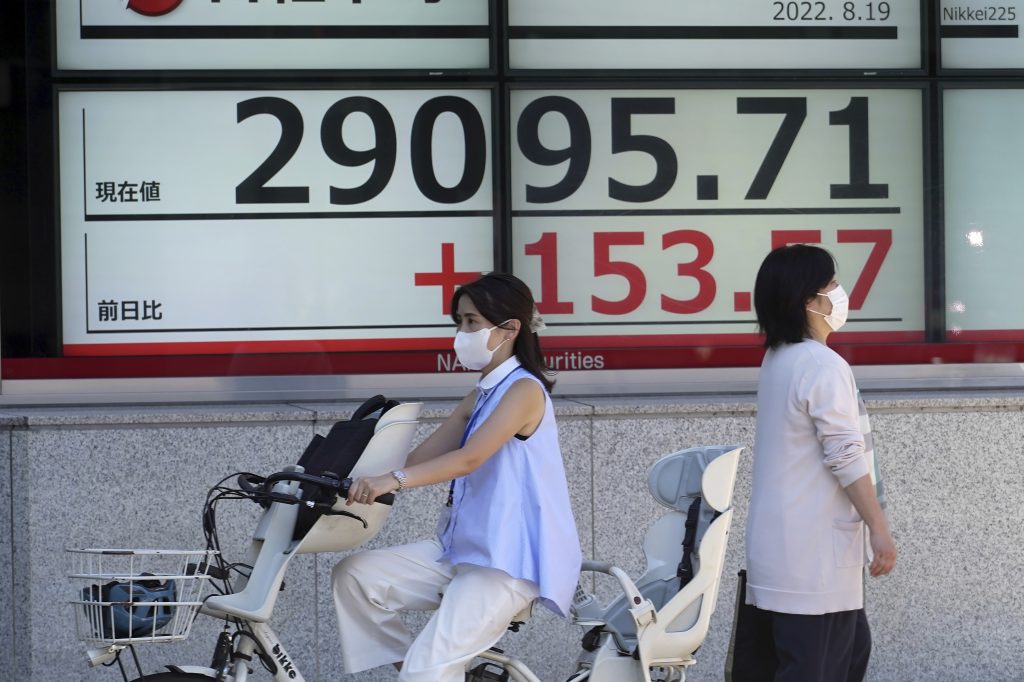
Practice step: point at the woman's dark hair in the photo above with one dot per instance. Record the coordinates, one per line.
(787, 279)
(500, 297)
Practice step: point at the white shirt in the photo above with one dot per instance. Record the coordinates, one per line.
(805, 540)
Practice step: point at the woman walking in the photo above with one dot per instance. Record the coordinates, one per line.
(813, 498)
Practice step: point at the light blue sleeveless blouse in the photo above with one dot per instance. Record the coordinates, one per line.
(513, 513)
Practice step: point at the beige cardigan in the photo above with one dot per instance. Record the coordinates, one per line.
(805, 541)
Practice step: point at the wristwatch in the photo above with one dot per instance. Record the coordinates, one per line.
(400, 477)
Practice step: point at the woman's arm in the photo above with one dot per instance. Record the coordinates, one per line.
(862, 494)
(831, 399)
(520, 409)
(832, 404)
(445, 437)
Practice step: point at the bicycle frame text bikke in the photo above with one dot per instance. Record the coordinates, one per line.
(265, 635)
(284, 661)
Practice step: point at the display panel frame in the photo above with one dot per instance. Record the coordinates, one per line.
(748, 353)
(949, 332)
(493, 52)
(612, 74)
(219, 361)
(936, 30)
(37, 374)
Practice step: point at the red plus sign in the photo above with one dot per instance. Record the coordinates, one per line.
(447, 279)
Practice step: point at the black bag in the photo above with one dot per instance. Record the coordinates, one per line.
(751, 655)
(340, 449)
(338, 452)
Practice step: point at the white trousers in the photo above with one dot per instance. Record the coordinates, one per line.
(371, 588)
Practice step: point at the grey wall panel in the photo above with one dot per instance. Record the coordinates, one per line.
(133, 486)
(121, 476)
(951, 609)
(7, 425)
(21, 561)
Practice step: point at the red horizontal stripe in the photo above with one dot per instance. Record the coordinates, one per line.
(433, 360)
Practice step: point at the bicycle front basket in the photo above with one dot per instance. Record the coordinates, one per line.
(136, 595)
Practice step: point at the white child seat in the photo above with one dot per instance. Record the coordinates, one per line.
(662, 624)
(386, 451)
(273, 545)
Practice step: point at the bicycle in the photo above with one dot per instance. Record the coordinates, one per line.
(128, 597)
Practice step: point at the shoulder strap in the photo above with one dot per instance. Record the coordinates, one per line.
(371, 405)
(685, 570)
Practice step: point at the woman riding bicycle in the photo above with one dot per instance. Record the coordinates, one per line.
(508, 536)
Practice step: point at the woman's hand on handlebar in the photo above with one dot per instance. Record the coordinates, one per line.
(366, 490)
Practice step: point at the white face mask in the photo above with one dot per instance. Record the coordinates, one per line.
(471, 348)
(840, 308)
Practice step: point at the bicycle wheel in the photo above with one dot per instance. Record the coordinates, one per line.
(171, 677)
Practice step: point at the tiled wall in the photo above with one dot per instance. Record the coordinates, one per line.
(113, 477)
(6, 545)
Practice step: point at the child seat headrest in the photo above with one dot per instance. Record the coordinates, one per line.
(676, 479)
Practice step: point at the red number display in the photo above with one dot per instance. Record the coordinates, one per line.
(634, 276)
(617, 254)
(695, 269)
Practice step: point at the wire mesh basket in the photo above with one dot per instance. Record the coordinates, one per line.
(127, 596)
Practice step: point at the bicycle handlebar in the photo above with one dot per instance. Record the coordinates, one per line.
(629, 588)
(329, 481)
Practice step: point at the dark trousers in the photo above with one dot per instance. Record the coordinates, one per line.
(786, 647)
